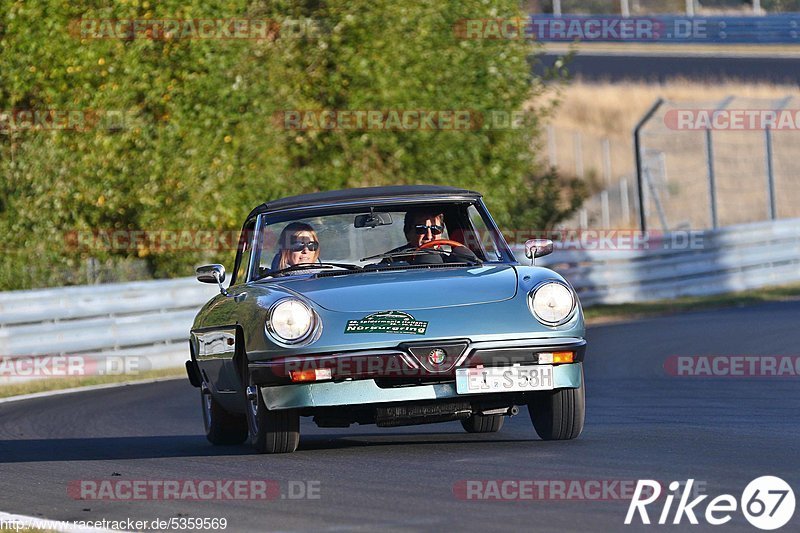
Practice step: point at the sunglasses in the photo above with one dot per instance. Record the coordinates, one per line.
(312, 246)
(422, 229)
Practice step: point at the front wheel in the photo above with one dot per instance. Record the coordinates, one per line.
(483, 424)
(222, 427)
(271, 431)
(558, 414)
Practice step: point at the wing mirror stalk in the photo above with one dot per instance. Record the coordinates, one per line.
(212, 274)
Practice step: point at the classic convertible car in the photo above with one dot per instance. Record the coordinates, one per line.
(387, 305)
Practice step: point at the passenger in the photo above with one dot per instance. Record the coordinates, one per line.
(299, 244)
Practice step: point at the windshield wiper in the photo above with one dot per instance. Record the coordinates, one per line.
(402, 253)
(310, 266)
(427, 251)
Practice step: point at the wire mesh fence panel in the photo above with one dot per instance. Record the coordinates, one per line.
(716, 162)
(704, 164)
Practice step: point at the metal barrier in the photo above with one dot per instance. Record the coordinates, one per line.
(149, 321)
(734, 258)
(97, 327)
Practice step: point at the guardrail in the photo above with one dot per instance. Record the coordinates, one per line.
(97, 326)
(150, 320)
(783, 28)
(730, 259)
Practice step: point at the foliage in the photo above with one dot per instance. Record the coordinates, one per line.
(198, 145)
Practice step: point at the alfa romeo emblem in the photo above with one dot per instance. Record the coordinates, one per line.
(437, 356)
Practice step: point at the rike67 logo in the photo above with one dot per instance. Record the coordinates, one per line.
(767, 503)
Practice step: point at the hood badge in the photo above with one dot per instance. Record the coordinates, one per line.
(437, 356)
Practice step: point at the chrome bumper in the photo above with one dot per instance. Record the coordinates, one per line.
(360, 392)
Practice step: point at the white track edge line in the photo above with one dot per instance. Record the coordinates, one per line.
(87, 388)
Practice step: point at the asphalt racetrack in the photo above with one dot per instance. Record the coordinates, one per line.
(641, 424)
(661, 67)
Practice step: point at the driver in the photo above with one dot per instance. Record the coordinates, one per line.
(422, 226)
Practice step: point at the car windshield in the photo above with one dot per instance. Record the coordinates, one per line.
(375, 238)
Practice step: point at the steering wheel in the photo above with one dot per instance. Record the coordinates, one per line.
(431, 244)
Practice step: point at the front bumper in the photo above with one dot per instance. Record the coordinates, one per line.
(366, 391)
(408, 363)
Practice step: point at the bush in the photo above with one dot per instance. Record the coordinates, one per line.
(197, 147)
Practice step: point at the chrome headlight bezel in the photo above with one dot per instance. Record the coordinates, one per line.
(573, 303)
(311, 334)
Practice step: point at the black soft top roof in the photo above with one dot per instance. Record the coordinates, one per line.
(362, 194)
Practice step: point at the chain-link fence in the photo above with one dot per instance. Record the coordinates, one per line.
(607, 166)
(704, 164)
(711, 164)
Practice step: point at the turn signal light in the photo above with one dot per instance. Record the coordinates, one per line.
(562, 357)
(555, 358)
(310, 375)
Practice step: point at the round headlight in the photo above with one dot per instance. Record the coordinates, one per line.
(290, 321)
(552, 303)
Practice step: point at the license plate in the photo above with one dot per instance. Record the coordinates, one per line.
(504, 379)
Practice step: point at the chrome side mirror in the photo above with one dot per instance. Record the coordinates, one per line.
(212, 274)
(538, 248)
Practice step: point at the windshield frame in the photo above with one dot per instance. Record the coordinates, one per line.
(360, 207)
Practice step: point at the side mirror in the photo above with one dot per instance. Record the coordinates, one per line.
(210, 273)
(538, 248)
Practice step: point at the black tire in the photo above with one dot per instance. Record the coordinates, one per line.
(483, 424)
(271, 431)
(222, 427)
(558, 414)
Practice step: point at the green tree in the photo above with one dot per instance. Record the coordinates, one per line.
(199, 145)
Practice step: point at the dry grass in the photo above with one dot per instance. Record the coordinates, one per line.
(603, 314)
(612, 109)
(590, 112)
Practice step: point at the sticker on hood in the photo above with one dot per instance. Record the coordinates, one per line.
(387, 322)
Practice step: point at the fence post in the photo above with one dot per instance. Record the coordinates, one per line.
(578, 146)
(772, 207)
(623, 201)
(606, 163)
(624, 8)
(552, 154)
(770, 174)
(689, 8)
(606, 217)
(637, 148)
(557, 8)
(712, 187)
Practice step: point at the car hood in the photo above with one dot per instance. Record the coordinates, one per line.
(408, 289)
